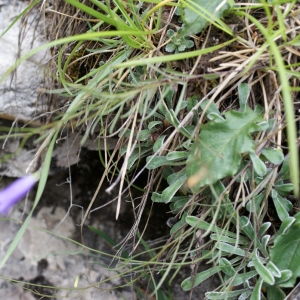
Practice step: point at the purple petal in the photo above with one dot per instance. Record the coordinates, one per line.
(15, 192)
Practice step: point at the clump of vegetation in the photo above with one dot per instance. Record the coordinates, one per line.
(213, 124)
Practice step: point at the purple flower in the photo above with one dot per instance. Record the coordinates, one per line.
(15, 192)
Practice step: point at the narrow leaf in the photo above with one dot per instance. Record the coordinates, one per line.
(191, 282)
(264, 273)
(170, 191)
(243, 91)
(282, 205)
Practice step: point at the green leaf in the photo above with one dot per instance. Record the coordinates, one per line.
(243, 91)
(284, 172)
(156, 197)
(285, 225)
(177, 205)
(256, 294)
(227, 267)
(264, 272)
(181, 47)
(226, 239)
(230, 249)
(179, 224)
(283, 189)
(275, 156)
(242, 278)
(285, 276)
(193, 281)
(170, 47)
(259, 167)
(203, 11)
(144, 135)
(177, 155)
(275, 293)
(245, 295)
(282, 205)
(273, 269)
(136, 154)
(159, 143)
(198, 223)
(153, 124)
(254, 204)
(264, 227)
(285, 253)
(170, 191)
(154, 162)
(247, 227)
(218, 151)
(224, 295)
(212, 108)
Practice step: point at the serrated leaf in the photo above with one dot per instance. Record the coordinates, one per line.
(189, 44)
(264, 272)
(285, 253)
(282, 205)
(218, 151)
(275, 156)
(170, 33)
(181, 47)
(191, 282)
(195, 20)
(244, 92)
(170, 47)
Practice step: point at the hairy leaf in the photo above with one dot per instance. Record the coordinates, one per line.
(218, 151)
(285, 253)
(193, 281)
(203, 11)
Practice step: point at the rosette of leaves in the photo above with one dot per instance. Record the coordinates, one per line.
(177, 44)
